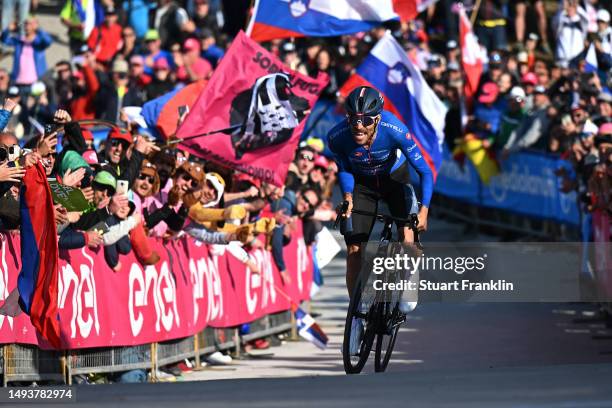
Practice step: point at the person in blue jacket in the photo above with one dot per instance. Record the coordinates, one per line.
(29, 61)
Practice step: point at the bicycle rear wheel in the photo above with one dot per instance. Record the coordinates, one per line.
(361, 303)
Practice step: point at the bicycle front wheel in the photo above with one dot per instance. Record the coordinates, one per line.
(360, 300)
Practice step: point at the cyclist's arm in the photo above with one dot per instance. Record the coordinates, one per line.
(414, 155)
(345, 176)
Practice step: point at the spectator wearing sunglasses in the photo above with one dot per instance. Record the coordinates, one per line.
(292, 205)
(119, 92)
(300, 169)
(126, 162)
(185, 192)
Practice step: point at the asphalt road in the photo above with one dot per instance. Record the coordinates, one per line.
(447, 355)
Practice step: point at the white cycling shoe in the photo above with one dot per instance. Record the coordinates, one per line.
(356, 335)
(407, 307)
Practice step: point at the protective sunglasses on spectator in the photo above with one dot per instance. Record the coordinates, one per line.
(366, 121)
(117, 142)
(188, 178)
(311, 206)
(143, 177)
(307, 156)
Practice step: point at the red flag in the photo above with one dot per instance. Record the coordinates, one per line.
(471, 57)
(251, 114)
(37, 281)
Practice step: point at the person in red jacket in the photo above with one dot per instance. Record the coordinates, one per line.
(105, 40)
(85, 87)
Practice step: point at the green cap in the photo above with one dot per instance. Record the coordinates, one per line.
(105, 178)
(151, 35)
(73, 161)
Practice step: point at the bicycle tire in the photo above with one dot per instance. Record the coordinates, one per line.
(389, 318)
(381, 359)
(351, 367)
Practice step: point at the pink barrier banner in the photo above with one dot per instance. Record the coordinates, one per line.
(603, 258)
(193, 286)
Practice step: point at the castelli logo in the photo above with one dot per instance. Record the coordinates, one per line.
(82, 296)
(4, 282)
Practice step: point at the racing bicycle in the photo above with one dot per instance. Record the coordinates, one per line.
(379, 310)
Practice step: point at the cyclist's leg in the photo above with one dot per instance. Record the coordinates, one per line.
(402, 202)
(365, 198)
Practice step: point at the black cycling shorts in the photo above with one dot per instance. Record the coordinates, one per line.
(395, 190)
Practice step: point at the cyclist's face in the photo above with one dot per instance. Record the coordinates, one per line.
(363, 128)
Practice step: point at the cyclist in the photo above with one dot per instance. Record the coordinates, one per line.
(372, 149)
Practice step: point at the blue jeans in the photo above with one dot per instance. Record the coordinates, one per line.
(8, 13)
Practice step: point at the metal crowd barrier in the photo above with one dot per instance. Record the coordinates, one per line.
(502, 220)
(22, 362)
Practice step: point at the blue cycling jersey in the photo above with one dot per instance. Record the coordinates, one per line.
(392, 145)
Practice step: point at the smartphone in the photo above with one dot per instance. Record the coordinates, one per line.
(122, 187)
(50, 128)
(14, 152)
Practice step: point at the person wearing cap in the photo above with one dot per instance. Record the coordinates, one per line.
(29, 60)
(154, 51)
(105, 40)
(136, 73)
(534, 126)
(210, 51)
(529, 82)
(604, 31)
(117, 146)
(185, 192)
(119, 93)
(489, 110)
(192, 67)
(604, 108)
(162, 82)
(512, 116)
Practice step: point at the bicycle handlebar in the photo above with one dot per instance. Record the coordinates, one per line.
(412, 222)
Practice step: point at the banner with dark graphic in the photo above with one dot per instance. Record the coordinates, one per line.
(252, 113)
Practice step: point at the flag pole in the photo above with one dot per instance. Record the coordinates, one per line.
(175, 141)
(475, 12)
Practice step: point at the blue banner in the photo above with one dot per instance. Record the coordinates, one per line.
(527, 184)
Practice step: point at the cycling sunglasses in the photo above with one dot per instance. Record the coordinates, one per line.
(366, 121)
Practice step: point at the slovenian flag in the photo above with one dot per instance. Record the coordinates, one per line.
(38, 280)
(591, 60)
(273, 19)
(407, 95)
(309, 329)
